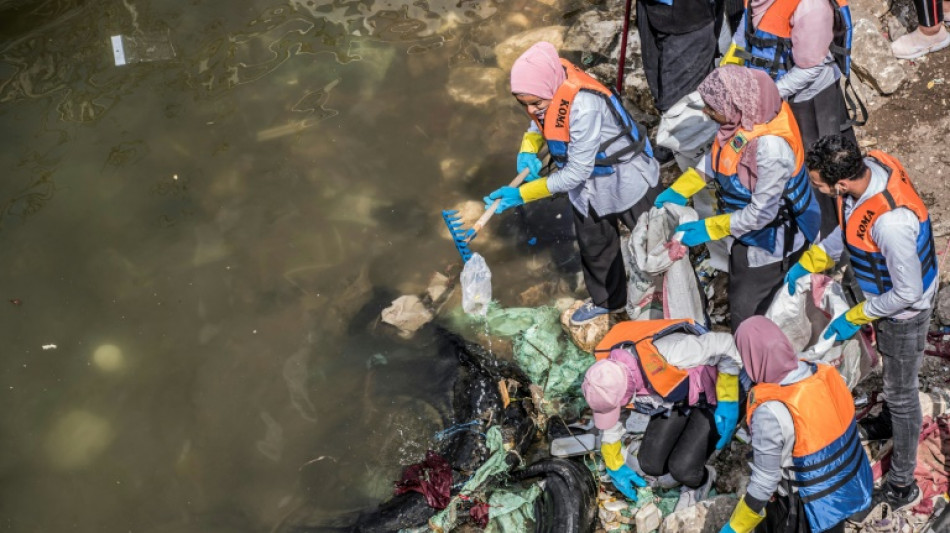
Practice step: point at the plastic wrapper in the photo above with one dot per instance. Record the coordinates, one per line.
(476, 286)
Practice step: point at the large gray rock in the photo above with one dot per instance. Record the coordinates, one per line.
(594, 31)
(872, 59)
(507, 51)
(943, 305)
(707, 516)
(477, 86)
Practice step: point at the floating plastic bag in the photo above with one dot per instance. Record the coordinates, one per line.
(476, 286)
(128, 49)
(804, 317)
(655, 256)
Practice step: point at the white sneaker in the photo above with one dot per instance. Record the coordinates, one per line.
(916, 44)
(689, 497)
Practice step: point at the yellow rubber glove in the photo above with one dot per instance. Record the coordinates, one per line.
(535, 190)
(531, 142)
(718, 226)
(815, 260)
(612, 454)
(727, 388)
(743, 519)
(689, 183)
(856, 315)
(732, 56)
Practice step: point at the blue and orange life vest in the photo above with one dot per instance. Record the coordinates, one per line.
(769, 45)
(668, 381)
(870, 267)
(829, 466)
(799, 204)
(556, 127)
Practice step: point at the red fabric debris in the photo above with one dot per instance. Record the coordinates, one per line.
(676, 250)
(479, 513)
(932, 472)
(432, 478)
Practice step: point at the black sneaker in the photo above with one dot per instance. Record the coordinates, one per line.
(875, 428)
(896, 498)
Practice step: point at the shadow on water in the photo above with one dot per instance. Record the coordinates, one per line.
(203, 242)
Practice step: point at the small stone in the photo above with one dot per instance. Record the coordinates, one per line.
(648, 518)
(438, 284)
(586, 336)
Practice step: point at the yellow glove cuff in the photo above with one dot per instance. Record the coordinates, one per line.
(535, 190)
(815, 260)
(727, 388)
(531, 142)
(744, 519)
(613, 457)
(856, 315)
(732, 56)
(689, 183)
(718, 226)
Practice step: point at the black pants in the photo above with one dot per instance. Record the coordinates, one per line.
(780, 519)
(929, 12)
(598, 238)
(751, 289)
(825, 114)
(674, 63)
(679, 445)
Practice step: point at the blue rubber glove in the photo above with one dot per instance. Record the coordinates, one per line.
(726, 417)
(529, 160)
(510, 197)
(626, 481)
(694, 233)
(669, 196)
(797, 271)
(842, 328)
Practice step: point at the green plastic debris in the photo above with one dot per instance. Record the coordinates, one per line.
(510, 511)
(541, 348)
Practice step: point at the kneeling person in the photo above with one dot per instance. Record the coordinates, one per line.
(686, 378)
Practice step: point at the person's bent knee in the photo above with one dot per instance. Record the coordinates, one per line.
(690, 475)
(651, 463)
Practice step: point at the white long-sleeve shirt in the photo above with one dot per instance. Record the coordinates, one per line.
(591, 124)
(895, 233)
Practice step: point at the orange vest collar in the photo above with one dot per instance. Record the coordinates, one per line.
(726, 158)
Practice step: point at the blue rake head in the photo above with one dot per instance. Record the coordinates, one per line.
(460, 235)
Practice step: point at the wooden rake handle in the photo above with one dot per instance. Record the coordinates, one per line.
(519, 179)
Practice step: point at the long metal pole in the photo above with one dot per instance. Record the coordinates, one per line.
(623, 46)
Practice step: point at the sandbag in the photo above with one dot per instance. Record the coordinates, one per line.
(804, 317)
(653, 256)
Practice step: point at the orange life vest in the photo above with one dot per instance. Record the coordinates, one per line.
(830, 469)
(870, 266)
(663, 377)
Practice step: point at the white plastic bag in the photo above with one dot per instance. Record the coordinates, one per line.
(476, 286)
(804, 316)
(686, 130)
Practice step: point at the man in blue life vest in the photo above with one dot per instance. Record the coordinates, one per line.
(885, 226)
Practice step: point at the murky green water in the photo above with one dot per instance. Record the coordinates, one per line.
(207, 240)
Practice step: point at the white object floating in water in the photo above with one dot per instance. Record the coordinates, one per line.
(129, 49)
(118, 50)
(49, 346)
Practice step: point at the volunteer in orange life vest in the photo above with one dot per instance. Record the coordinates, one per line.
(687, 379)
(769, 211)
(604, 164)
(886, 228)
(809, 471)
(791, 40)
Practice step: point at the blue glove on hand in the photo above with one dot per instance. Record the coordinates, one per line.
(510, 197)
(669, 196)
(530, 161)
(842, 328)
(694, 233)
(791, 277)
(626, 481)
(726, 417)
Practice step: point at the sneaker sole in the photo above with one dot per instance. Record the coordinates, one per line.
(940, 46)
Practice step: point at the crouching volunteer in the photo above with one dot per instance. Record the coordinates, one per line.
(886, 228)
(809, 470)
(682, 375)
(604, 164)
(767, 203)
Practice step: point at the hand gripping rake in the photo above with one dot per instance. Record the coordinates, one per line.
(462, 236)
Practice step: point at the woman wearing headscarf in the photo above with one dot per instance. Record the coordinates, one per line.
(809, 470)
(686, 379)
(768, 209)
(603, 159)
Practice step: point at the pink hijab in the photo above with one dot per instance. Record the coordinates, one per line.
(746, 97)
(767, 355)
(538, 71)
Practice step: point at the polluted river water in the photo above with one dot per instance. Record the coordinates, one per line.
(198, 243)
